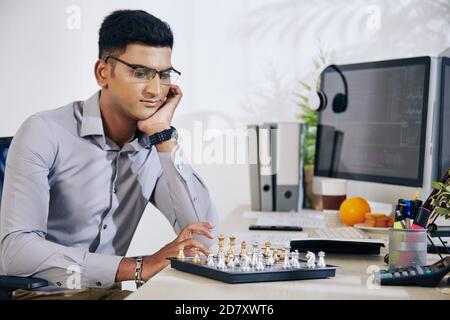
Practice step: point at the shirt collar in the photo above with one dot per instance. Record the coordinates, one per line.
(91, 120)
(92, 125)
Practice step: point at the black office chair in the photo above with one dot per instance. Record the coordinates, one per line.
(10, 283)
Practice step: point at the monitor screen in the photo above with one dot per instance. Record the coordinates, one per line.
(381, 135)
(444, 144)
(4, 146)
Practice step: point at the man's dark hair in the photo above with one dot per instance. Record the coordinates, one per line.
(124, 27)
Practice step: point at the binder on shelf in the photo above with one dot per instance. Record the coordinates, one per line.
(253, 160)
(289, 178)
(267, 165)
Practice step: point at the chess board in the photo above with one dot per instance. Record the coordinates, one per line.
(235, 275)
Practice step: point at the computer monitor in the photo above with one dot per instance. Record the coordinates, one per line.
(385, 135)
(4, 146)
(444, 123)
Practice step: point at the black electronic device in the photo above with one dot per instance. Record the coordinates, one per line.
(275, 228)
(382, 135)
(425, 276)
(444, 118)
(337, 246)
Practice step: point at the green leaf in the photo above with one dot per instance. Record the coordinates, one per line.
(442, 211)
(438, 185)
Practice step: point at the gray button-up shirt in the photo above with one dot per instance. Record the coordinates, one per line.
(72, 198)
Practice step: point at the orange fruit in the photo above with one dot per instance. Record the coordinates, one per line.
(353, 210)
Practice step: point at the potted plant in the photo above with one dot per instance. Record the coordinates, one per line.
(440, 198)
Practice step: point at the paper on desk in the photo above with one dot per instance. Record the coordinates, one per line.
(304, 219)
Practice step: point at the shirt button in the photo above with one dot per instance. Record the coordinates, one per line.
(179, 166)
(105, 226)
(195, 199)
(98, 284)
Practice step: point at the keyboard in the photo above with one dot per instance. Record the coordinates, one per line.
(340, 233)
(338, 240)
(284, 238)
(277, 239)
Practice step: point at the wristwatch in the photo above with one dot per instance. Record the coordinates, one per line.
(164, 136)
(138, 272)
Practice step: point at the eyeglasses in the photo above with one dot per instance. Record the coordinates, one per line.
(144, 74)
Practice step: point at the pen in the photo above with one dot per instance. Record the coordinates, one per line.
(400, 210)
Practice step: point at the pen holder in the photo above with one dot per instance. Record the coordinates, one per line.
(407, 248)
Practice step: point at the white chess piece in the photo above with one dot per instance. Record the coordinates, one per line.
(210, 261)
(311, 263)
(260, 263)
(294, 261)
(230, 261)
(221, 262)
(321, 263)
(236, 260)
(245, 263)
(270, 259)
(254, 260)
(286, 262)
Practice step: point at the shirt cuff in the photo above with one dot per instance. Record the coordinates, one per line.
(100, 270)
(175, 164)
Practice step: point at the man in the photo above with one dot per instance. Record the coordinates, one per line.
(78, 178)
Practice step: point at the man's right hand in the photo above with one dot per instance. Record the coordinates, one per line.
(158, 261)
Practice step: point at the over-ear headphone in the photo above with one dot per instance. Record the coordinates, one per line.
(318, 99)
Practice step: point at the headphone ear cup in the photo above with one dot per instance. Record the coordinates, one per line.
(323, 100)
(317, 101)
(339, 103)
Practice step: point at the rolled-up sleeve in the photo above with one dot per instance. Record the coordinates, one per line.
(182, 196)
(24, 250)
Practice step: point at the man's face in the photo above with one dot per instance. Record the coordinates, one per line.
(138, 100)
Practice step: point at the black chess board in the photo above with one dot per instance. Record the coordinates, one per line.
(235, 275)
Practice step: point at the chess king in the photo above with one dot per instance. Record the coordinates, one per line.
(79, 177)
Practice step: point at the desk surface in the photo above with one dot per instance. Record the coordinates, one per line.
(353, 280)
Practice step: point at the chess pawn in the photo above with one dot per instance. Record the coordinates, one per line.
(221, 261)
(181, 256)
(196, 259)
(221, 243)
(286, 262)
(267, 246)
(260, 263)
(254, 260)
(243, 249)
(283, 253)
(321, 263)
(276, 256)
(236, 260)
(210, 260)
(294, 260)
(232, 244)
(230, 263)
(270, 259)
(245, 263)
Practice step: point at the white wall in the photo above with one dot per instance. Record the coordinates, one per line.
(240, 62)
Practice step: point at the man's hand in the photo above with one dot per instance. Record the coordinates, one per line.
(162, 118)
(158, 261)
